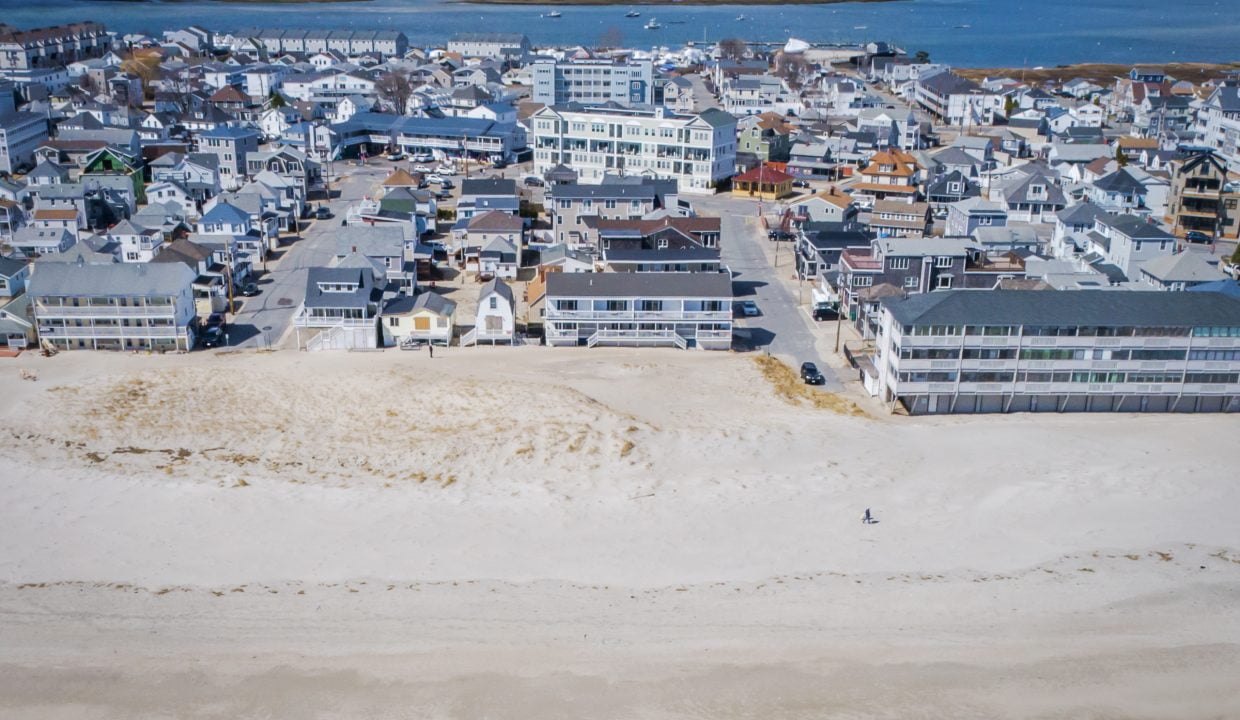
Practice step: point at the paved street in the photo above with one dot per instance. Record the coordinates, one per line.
(702, 98)
(784, 328)
(264, 320)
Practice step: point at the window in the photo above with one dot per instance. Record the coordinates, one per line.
(943, 262)
(900, 263)
(494, 302)
(944, 282)
(393, 321)
(911, 281)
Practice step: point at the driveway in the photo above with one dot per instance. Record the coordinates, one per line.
(784, 328)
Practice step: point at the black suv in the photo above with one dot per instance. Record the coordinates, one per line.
(810, 374)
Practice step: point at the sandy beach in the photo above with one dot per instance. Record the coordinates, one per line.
(606, 533)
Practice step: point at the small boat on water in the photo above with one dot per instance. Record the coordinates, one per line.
(652, 24)
(675, 22)
(632, 13)
(963, 27)
(859, 27)
(554, 14)
(741, 17)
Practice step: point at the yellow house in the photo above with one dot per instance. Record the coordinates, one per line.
(428, 317)
(763, 182)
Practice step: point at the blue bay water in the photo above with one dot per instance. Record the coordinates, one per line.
(1001, 32)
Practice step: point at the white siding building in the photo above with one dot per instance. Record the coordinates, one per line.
(968, 351)
(699, 151)
(115, 306)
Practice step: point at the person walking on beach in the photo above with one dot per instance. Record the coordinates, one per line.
(431, 348)
(867, 519)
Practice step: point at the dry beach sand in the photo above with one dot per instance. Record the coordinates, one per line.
(531, 533)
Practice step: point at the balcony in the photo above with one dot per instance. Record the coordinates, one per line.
(639, 315)
(51, 311)
(121, 331)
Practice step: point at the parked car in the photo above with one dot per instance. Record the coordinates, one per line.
(499, 164)
(434, 179)
(323, 213)
(823, 312)
(422, 169)
(212, 337)
(446, 170)
(250, 289)
(810, 374)
(800, 183)
(395, 155)
(749, 308)
(533, 181)
(443, 195)
(1196, 236)
(215, 320)
(422, 158)
(446, 184)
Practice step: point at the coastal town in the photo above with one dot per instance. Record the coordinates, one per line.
(929, 242)
(400, 358)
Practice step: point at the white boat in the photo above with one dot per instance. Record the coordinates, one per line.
(632, 13)
(553, 14)
(741, 17)
(652, 24)
(859, 27)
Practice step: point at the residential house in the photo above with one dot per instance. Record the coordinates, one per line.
(341, 310)
(1181, 271)
(898, 218)
(424, 318)
(1204, 197)
(967, 215)
(495, 320)
(230, 146)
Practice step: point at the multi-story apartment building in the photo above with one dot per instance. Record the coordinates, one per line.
(55, 46)
(115, 306)
(892, 127)
(21, 133)
(1057, 351)
(1203, 198)
(1218, 123)
(756, 94)
(955, 100)
(593, 81)
(384, 43)
(698, 150)
(507, 46)
(639, 308)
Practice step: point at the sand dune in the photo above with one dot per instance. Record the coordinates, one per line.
(515, 533)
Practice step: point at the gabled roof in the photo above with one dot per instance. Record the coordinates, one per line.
(495, 221)
(497, 286)
(227, 214)
(1183, 267)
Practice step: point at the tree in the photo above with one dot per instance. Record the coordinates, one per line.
(611, 39)
(733, 49)
(395, 87)
(146, 64)
(276, 100)
(921, 57)
(1009, 105)
(792, 68)
(1120, 157)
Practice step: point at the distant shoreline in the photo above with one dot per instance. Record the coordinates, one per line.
(1192, 71)
(661, 3)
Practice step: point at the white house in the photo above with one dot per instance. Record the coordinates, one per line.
(495, 321)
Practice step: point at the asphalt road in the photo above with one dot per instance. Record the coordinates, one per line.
(783, 328)
(264, 320)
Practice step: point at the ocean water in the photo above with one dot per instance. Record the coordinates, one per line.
(976, 33)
